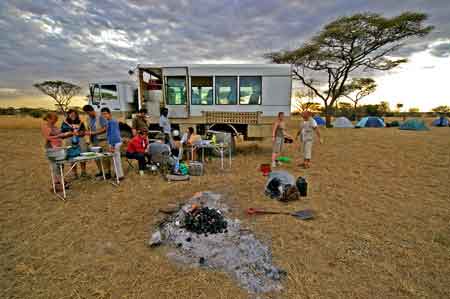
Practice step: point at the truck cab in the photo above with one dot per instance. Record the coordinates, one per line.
(119, 96)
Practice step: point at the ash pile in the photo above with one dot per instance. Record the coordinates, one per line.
(201, 235)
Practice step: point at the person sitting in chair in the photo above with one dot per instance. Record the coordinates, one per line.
(137, 149)
(189, 139)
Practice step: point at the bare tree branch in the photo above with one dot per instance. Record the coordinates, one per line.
(61, 92)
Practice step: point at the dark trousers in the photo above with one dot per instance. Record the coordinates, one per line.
(137, 156)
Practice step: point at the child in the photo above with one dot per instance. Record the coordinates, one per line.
(306, 134)
(114, 142)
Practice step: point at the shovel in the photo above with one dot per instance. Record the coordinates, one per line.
(303, 214)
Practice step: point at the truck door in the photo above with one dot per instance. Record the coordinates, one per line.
(177, 91)
(95, 96)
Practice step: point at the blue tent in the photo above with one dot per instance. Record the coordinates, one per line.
(414, 124)
(319, 120)
(370, 122)
(441, 122)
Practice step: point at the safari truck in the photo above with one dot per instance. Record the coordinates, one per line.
(242, 99)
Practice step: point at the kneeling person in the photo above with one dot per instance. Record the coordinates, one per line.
(137, 148)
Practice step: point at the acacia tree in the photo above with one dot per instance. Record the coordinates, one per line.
(441, 109)
(356, 43)
(357, 89)
(304, 101)
(61, 92)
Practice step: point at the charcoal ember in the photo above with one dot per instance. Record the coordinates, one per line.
(205, 221)
(201, 261)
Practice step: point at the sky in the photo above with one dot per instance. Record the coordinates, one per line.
(81, 41)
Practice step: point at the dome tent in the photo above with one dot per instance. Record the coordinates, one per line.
(441, 122)
(370, 122)
(319, 120)
(414, 124)
(342, 122)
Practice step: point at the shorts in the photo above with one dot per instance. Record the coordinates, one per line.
(307, 149)
(277, 145)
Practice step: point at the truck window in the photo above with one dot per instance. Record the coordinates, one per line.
(109, 92)
(202, 90)
(226, 90)
(250, 90)
(176, 91)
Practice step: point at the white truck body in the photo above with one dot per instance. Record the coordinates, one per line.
(246, 97)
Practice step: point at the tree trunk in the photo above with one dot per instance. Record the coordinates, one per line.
(327, 116)
(355, 111)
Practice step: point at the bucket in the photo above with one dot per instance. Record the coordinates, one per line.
(265, 169)
(302, 186)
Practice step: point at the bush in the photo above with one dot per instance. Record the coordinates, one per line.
(8, 111)
(36, 113)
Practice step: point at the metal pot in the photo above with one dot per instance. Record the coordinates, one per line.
(96, 149)
(56, 154)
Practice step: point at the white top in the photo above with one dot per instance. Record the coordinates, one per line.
(184, 138)
(165, 124)
(307, 129)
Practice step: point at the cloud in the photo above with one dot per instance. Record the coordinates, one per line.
(441, 49)
(83, 40)
(8, 91)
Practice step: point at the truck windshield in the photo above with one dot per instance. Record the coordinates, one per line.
(109, 92)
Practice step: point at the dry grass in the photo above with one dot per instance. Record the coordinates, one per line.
(382, 231)
(17, 122)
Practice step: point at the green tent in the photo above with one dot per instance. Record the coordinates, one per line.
(414, 124)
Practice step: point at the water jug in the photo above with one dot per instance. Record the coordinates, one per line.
(177, 166)
(302, 186)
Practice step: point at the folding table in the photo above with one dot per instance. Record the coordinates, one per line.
(75, 161)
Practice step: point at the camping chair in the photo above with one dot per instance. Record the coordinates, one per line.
(123, 153)
(130, 164)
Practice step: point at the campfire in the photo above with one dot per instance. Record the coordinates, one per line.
(201, 234)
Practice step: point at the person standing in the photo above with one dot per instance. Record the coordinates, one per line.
(278, 135)
(97, 135)
(306, 133)
(137, 148)
(77, 143)
(140, 121)
(53, 140)
(166, 128)
(114, 141)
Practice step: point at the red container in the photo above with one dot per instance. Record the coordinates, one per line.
(265, 169)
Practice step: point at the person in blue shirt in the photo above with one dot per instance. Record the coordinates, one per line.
(96, 131)
(114, 141)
